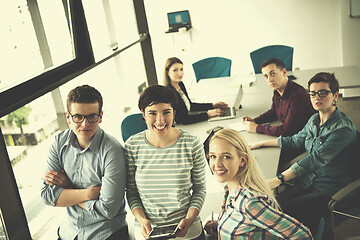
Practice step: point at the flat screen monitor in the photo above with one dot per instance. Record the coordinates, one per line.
(179, 18)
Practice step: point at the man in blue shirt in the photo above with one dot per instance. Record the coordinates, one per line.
(86, 173)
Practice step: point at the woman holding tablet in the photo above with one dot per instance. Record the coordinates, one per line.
(173, 75)
(166, 169)
(249, 210)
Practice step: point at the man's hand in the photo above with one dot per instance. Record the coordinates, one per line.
(250, 126)
(246, 118)
(93, 193)
(59, 179)
(219, 105)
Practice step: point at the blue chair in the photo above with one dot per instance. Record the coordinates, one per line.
(211, 68)
(320, 231)
(284, 53)
(132, 124)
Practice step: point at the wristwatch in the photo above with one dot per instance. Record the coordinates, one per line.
(281, 178)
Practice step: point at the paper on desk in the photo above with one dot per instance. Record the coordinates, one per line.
(245, 82)
(239, 126)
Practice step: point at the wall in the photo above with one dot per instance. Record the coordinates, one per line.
(350, 30)
(234, 28)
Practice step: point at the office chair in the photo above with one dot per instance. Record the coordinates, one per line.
(284, 53)
(132, 124)
(320, 231)
(347, 200)
(211, 68)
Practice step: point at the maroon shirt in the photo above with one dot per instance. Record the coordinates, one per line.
(293, 109)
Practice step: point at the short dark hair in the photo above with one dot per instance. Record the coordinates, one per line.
(157, 94)
(325, 77)
(84, 94)
(279, 64)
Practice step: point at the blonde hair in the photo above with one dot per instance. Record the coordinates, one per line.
(169, 62)
(250, 175)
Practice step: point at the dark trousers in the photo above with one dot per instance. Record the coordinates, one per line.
(121, 234)
(307, 206)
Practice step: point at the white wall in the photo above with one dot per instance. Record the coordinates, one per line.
(234, 28)
(350, 30)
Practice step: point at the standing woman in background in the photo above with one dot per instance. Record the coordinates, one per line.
(173, 75)
(249, 210)
(166, 169)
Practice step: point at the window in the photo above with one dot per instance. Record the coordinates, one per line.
(36, 99)
(35, 38)
(3, 235)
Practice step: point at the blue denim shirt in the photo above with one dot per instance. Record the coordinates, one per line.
(326, 167)
(101, 163)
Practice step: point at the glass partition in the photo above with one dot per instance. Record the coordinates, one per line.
(34, 38)
(3, 234)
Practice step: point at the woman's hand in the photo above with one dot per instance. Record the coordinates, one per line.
(184, 226)
(145, 227)
(220, 105)
(215, 112)
(267, 143)
(255, 145)
(274, 182)
(211, 227)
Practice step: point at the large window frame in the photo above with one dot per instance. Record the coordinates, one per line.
(10, 202)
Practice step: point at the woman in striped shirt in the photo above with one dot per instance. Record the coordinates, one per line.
(249, 210)
(166, 169)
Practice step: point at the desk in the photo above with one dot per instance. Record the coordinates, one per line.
(256, 100)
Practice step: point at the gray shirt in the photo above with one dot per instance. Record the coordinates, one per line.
(101, 163)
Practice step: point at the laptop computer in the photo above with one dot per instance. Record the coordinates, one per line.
(206, 147)
(178, 20)
(230, 112)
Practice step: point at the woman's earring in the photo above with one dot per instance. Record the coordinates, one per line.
(174, 123)
(335, 101)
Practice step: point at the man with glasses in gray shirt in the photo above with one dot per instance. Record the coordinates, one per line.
(86, 173)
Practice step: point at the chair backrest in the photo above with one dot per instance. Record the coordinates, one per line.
(284, 53)
(355, 159)
(212, 67)
(132, 124)
(320, 231)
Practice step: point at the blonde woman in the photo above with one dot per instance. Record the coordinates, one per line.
(249, 210)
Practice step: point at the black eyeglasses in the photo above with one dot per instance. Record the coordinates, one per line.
(322, 93)
(78, 118)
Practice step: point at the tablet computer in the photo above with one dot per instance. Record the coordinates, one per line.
(163, 232)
